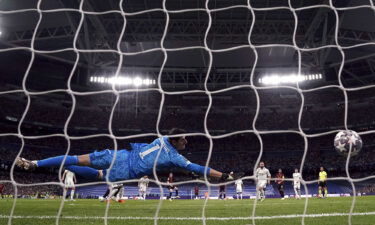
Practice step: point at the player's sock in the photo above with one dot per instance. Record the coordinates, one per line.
(176, 193)
(299, 193)
(170, 195)
(112, 193)
(117, 190)
(56, 161)
(320, 193)
(237, 196)
(119, 195)
(72, 194)
(263, 194)
(241, 196)
(282, 194)
(144, 196)
(84, 171)
(325, 193)
(106, 193)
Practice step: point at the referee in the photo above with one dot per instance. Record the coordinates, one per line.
(322, 183)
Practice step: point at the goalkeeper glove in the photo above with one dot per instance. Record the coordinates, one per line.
(225, 176)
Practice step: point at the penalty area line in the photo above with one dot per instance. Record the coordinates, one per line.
(190, 218)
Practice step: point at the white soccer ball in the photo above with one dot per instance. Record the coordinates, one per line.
(347, 140)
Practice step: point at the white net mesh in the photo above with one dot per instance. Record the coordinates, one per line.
(252, 85)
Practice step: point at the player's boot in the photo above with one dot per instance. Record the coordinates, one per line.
(25, 164)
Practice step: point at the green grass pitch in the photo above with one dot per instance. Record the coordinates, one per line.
(134, 212)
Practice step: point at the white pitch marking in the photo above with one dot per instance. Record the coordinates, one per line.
(191, 218)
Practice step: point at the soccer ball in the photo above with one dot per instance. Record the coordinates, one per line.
(347, 139)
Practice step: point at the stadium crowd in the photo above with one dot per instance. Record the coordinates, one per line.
(228, 113)
(370, 188)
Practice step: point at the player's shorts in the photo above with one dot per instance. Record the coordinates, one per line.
(69, 183)
(239, 191)
(323, 184)
(102, 160)
(142, 188)
(297, 186)
(262, 183)
(171, 188)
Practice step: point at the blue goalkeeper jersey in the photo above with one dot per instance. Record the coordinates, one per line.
(140, 160)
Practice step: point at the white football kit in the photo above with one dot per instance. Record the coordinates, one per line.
(262, 176)
(143, 183)
(69, 179)
(297, 180)
(239, 184)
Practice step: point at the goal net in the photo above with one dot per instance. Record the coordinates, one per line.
(249, 81)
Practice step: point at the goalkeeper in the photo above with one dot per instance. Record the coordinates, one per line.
(127, 165)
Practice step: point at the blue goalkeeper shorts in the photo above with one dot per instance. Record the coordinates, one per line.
(102, 160)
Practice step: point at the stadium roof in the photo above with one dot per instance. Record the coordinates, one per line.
(101, 29)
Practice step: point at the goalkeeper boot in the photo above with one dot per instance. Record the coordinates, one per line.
(25, 164)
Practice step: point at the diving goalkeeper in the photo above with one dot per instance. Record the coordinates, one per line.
(127, 165)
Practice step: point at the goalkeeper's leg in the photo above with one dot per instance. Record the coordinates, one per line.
(87, 172)
(98, 160)
(50, 162)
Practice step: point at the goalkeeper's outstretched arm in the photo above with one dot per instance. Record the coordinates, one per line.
(182, 162)
(210, 172)
(179, 143)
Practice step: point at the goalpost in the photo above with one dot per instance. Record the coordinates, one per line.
(252, 85)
